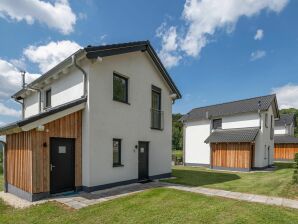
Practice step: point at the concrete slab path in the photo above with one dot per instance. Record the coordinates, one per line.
(81, 200)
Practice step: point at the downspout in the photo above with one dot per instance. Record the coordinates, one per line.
(4, 165)
(22, 105)
(39, 92)
(74, 61)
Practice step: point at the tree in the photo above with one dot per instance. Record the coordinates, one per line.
(177, 133)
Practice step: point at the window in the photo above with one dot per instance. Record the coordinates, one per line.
(120, 88)
(156, 113)
(117, 152)
(266, 120)
(217, 123)
(48, 96)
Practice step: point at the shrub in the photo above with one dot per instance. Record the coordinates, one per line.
(295, 175)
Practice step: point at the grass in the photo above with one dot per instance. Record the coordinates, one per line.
(154, 206)
(277, 183)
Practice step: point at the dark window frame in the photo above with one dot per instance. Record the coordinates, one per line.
(48, 101)
(118, 163)
(266, 120)
(155, 89)
(218, 127)
(115, 74)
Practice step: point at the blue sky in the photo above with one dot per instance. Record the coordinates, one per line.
(215, 51)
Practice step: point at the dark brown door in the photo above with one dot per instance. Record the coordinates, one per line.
(143, 160)
(62, 165)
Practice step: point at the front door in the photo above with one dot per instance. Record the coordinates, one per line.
(143, 160)
(62, 165)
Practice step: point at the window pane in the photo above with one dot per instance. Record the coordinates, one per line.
(120, 88)
(116, 152)
(217, 123)
(155, 100)
(48, 98)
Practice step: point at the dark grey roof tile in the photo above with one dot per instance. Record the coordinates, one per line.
(233, 135)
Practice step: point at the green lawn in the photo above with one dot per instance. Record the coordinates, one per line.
(178, 153)
(277, 183)
(155, 206)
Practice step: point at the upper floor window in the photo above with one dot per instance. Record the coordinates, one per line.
(266, 120)
(217, 124)
(48, 98)
(120, 88)
(116, 152)
(156, 113)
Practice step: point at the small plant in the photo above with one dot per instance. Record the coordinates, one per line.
(295, 175)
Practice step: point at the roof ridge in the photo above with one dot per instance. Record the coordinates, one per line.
(233, 101)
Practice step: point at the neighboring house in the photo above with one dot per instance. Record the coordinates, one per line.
(285, 143)
(232, 136)
(101, 118)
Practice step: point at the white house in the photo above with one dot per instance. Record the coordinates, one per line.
(234, 136)
(285, 143)
(100, 118)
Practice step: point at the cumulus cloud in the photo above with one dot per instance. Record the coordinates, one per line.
(49, 55)
(57, 15)
(256, 55)
(204, 17)
(287, 96)
(169, 45)
(11, 80)
(259, 34)
(6, 111)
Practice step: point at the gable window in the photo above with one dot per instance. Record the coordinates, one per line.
(120, 88)
(48, 98)
(117, 152)
(271, 128)
(156, 113)
(266, 120)
(217, 124)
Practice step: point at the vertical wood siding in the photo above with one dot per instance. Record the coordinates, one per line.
(28, 154)
(231, 155)
(285, 151)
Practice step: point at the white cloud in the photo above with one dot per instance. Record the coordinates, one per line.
(6, 111)
(287, 96)
(49, 55)
(204, 17)
(256, 55)
(11, 80)
(57, 15)
(169, 45)
(259, 34)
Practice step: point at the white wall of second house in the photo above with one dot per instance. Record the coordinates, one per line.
(66, 88)
(196, 151)
(241, 121)
(280, 130)
(263, 142)
(131, 122)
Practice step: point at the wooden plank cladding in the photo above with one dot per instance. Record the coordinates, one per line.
(231, 155)
(285, 151)
(28, 154)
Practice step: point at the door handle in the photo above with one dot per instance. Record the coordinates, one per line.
(51, 167)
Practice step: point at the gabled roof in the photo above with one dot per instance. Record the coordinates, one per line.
(286, 119)
(233, 135)
(231, 108)
(93, 52)
(280, 139)
(17, 126)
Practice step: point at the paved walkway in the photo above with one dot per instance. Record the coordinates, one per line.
(239, 196)
(82, 200)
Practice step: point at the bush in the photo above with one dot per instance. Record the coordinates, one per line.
(295, 175)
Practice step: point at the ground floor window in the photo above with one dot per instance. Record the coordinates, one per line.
(116, 152)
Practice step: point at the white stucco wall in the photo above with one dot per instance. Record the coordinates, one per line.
(108, 119)
(263, 141)
(196, 150)
(65, 89)
(241, 121)
(280, 130)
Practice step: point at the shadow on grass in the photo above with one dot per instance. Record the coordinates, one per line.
(284, 165)
(201, 178)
